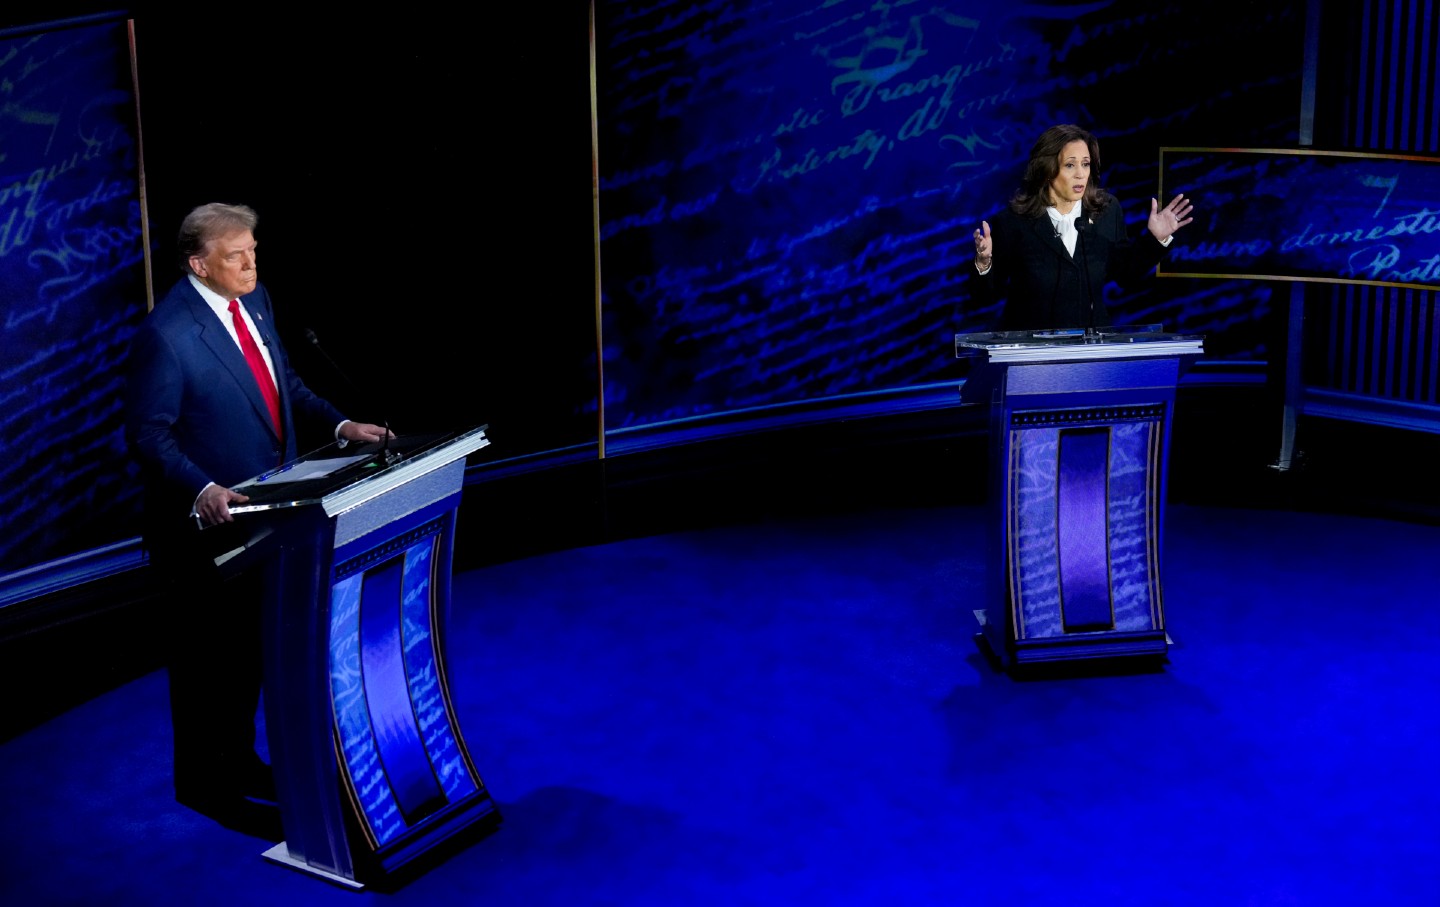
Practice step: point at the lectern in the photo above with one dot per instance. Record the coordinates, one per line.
(356, 543)
(1079, 431)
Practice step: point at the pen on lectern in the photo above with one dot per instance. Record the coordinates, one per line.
(274, 472)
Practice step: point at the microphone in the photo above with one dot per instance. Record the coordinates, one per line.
(385, 453)
(1082, 228)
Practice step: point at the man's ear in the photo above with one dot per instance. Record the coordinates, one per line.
(197, 265)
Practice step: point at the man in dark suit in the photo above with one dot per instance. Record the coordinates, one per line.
(212, 400)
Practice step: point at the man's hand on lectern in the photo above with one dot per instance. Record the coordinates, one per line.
(213, 505)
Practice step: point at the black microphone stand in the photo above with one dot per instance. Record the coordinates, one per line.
(387, 456)
(1082, 226)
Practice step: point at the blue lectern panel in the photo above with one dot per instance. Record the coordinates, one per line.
(387, 694)
(1083, 539)
(425, 678)
(1035, 579)
(401, 754)
(357, 743)
(358, 750)
(1133, 477)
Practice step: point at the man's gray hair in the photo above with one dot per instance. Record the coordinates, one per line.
(209, 222)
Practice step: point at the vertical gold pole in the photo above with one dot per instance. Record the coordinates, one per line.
(140, 168)
(595, 215)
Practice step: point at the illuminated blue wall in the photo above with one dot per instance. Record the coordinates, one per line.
(72, 287)
(787, 189)
(786, 192)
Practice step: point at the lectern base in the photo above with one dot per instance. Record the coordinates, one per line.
(1124, 651)
(280, 854)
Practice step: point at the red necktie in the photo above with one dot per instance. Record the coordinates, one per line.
(257, 365)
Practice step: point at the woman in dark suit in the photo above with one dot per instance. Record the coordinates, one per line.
(1050, 253)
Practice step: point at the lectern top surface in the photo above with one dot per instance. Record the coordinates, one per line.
(1129, 341)
(356, 466)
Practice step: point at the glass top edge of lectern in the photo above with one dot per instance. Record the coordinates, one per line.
(1092, 352)
(369, 474)
(1121, 336)
(393, 476)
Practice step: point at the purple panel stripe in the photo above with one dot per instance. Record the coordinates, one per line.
(1082, 532)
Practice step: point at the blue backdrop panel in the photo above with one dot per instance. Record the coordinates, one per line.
(787, 189)
(72, 286)
(1309, 215)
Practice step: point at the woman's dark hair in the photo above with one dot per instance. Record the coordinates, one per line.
(1033, 196)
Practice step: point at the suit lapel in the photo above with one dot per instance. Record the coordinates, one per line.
(218, 341)
(1045, 232)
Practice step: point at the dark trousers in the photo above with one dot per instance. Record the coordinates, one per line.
(214, 661)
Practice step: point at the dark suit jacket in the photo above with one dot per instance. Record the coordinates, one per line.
(1043, 286)
(194, 414)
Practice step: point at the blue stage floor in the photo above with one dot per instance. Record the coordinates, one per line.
(795, 713)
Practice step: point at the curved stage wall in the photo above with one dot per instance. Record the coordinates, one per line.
(785, 196)
(787, 190)
(72, 284)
